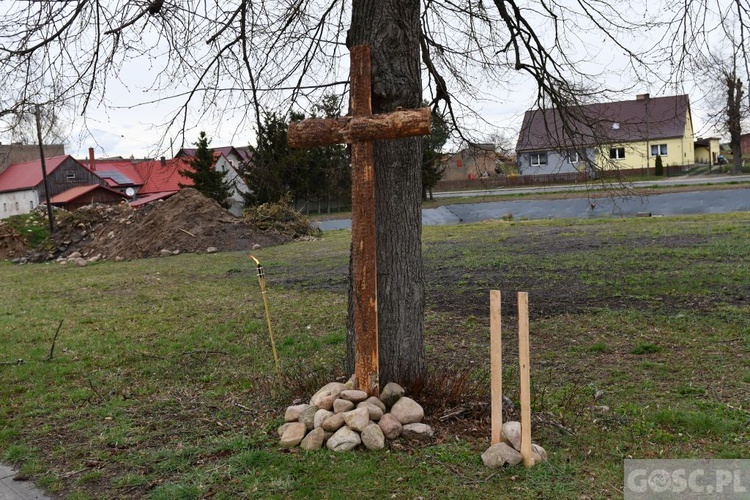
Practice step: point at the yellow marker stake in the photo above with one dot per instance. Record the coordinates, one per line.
(262, 282)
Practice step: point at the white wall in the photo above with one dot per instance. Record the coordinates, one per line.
(18, 202)
(224, 164)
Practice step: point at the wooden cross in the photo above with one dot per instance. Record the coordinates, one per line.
(360, 130)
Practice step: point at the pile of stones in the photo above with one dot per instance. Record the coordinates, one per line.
(342, 419)
(508, 450)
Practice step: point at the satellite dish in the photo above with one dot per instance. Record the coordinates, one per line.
(130, 191)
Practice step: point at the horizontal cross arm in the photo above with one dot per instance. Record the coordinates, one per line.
(349, 129)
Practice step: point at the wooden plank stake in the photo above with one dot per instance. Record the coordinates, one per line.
(525, 373)
(496, 366)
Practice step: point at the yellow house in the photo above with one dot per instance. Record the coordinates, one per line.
(623, 136)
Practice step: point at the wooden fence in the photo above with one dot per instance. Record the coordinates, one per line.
(512, 180)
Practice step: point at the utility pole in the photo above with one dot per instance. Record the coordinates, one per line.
(44, 168)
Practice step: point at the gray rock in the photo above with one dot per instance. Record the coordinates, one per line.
(164, 252)
(417, 431)
(320, 416)
(326, 403)
(357, 419)
(293, 435)
(353, 395)
(256, 246)
(333, 423)
(342, 405)
(377, 402)
(344, 439)
(74, 255)
(283, 428)
(391, 393)
(307, 416)
(390, 426)
(212, 250)
(374, 411)
(501, 454)
(538, 453)
(373, 438)
(292, 412)
(331, 389)
(81, 261)
(313, 440)
(407, 411)
(512, 434)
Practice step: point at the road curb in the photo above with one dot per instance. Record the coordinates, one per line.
(10, 489)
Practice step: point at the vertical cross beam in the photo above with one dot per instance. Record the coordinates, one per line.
(364, 252)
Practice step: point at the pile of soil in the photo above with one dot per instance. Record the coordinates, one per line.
(186, 222)
(12, 244)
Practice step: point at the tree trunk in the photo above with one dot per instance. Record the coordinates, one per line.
(391, 29)
(734, 118)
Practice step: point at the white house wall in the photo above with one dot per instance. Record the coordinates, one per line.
(557, 163)
(18, 202)
(237, 202)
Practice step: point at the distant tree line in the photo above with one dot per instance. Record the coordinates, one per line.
(320, 176)
(275, 172)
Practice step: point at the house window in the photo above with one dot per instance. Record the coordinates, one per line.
(16, 205)
(616, 153)
(658, 149)
(5, 207)
(573, 156)
(70, 175)
(459, 163)
(31, 203)
(538, 159)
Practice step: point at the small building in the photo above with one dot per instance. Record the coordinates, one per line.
(707, 150)
(22, 184)
(624, 136)
(473, 162)
(77, 197)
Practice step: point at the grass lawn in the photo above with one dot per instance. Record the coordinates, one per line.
(162, 383)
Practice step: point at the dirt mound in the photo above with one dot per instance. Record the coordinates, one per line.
(186, 222)
(12, 244)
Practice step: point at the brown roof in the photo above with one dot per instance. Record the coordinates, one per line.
(612, 122)
(243, 152)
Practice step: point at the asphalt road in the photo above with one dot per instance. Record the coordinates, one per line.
(681, 203)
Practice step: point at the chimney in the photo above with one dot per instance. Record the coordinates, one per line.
(642, 97)
(163, 161)
(92, 160)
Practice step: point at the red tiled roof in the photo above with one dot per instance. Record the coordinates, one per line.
(28, 175)
(159, 178)
(611, 122)
(76, 192)
(152, 197)
(128, 175)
